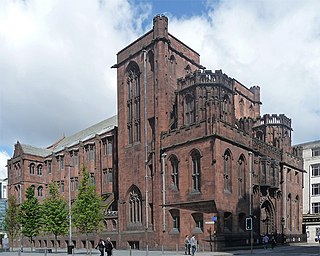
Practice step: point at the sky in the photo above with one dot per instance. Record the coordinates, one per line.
(55, 75)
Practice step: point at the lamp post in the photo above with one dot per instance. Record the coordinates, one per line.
(282, 227)
(69, 195)
(250, 199)
(21, 237)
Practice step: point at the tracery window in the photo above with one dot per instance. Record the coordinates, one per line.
(135, 207)
(196, 170)
(133, 104)
(190, 110)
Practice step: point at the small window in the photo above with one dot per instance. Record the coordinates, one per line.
(175, 214)
(32, 168)
(315, 152)
(39, 169)
(316, 207)
(62, 186)
(315, 169)
(316, 189)
(40, 190)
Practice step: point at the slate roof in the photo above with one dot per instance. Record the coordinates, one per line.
(31, 150)
(86, 134)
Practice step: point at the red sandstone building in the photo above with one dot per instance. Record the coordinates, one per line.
(189, 145)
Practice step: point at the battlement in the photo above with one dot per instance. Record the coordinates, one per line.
(274, 119)
(205, 77)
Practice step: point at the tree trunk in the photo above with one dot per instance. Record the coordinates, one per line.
(87, 244)
(55, 243)
(31, 246)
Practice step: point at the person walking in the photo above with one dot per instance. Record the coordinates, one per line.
(273, 242)
(193, 243)
(109, 247)
(265, 241)
(100, 246)
(187, 245)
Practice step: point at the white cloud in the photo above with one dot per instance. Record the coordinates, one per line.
(3, 162)
(55, 65)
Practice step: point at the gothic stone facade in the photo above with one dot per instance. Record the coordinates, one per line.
(185, 144)
(188, 140)
(96, 149)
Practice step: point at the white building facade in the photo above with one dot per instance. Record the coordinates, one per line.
(311, 190)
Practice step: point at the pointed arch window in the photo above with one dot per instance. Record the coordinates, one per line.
(297, 213)
(196, 170)
(227, 171)
(174, 165)
(133, 103)
(241, 176)
(135, 206)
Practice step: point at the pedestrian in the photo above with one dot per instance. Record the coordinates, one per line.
(193, 243)
(187, 245)
(109, 247)
(265, 241)
(100, 246)
(273, 242)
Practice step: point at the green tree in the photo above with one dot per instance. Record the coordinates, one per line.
(11, 220)
(86, 210)
(55, 213)
(30, 216)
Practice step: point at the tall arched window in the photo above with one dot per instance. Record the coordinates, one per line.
(135, 206)
(174, 165)
(297, 213)
(172, 60)
(133, 103)
(196, 170)
(190, 110)
(289, 212)
(227, 170)
(241, 176)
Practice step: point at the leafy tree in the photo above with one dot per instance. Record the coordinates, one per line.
(87, 210)
(55, 213)
(11, 220)
(30, 215)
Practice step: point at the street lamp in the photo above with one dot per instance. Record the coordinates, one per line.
(250, 199)
(69, 195)
(282, 227)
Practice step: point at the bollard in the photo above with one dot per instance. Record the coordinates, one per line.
(19, 252)
(130, 251)
(45, 251)
(162, 250)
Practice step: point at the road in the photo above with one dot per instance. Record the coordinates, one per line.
(301, 250)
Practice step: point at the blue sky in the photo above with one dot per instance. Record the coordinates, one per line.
(55, 76)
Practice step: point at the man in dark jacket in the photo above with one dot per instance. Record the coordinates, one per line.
(109, 246)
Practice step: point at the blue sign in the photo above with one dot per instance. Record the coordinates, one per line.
(214, 218)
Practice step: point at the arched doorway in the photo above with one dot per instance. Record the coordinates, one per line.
(267, 218)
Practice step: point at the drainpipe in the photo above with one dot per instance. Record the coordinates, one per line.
(163, 156)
